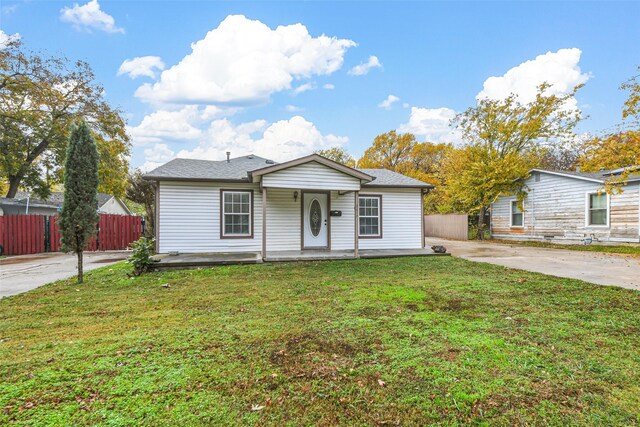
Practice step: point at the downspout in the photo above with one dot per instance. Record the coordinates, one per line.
(28, 199)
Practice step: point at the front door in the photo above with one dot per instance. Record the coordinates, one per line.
(315, 221)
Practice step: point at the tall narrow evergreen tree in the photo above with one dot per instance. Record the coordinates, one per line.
(79, 216)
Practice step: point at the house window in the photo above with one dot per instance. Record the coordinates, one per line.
(517, 217)
(598, 211)
(236, 215)
(369, 216)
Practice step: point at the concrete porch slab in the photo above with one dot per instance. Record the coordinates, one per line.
(205, 259)
(166, 261)
(284, 256)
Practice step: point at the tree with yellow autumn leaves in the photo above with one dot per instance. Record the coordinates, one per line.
(619, 149)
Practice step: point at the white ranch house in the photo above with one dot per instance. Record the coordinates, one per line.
(570, 206)
(311, 204)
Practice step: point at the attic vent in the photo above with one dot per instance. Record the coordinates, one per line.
(270, 162)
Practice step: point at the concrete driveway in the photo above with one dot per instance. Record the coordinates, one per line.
(22, 273)
(593, 267)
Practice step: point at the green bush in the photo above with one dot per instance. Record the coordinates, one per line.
(141, 256)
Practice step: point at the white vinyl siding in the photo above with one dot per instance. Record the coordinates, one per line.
(283, 220)
(556, 207)
(401, 219)
(343, 227)
(311, 176)
(189, 218)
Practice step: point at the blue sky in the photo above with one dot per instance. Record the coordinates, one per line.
(243, 87)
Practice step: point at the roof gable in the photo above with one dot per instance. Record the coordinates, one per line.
(308, 159)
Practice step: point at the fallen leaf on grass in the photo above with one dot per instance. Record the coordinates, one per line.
(257, 407)
(381, 383)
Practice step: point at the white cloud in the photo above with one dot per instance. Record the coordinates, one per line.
(141, 66)
(245, 61)
(364, 68)
(281, 141)
(432, 124)
(179, 125)
(329, 86)
(5, 39)
(560, 69)
(160, 153)
(388, 103)
(405, 105)
(303, 88)
(292, 108)
(88, 17)
(8, 10)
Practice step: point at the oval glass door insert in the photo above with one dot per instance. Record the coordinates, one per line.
(315, 217)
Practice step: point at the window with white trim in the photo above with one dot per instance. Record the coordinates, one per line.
(598, 209)
(517, 217)
(236, 213)
(369, 212)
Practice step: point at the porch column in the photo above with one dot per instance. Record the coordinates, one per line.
(264, 223)
(356, 212)
(422, 217)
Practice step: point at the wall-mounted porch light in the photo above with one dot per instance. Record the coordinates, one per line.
(295, 196)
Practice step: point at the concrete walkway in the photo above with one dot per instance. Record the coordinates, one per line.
(593, 267)
(22, 273)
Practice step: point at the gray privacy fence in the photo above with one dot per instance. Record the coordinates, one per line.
(450, 226)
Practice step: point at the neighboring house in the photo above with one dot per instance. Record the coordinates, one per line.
(23, 204)
(570, 206)
(250, 204)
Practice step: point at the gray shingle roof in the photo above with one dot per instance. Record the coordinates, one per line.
(210, 170)
(237, 169)
(387, 178)
(55, 199)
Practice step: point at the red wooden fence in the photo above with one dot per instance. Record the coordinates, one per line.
(28, 234)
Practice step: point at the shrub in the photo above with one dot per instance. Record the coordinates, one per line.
(141, 256)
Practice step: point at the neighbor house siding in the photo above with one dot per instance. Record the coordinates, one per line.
(401, 219)
(189, 218)
(556, 207)
(311, 176)
(113, 206)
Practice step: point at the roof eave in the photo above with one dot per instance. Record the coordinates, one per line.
(173, 178)
(584, 178)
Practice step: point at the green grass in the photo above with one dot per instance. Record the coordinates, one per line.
(633, 250)
(409, 341)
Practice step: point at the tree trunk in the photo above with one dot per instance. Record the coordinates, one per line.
(14, 184)
(150, 221)
(80, 272)
(481, 214)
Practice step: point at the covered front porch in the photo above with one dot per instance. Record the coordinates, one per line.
(184, 260)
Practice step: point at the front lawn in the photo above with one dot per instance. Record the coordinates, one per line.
(631, 249)
(409, 341)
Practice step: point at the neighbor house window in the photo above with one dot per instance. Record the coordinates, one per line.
(369, 216)
(236, 220)
(598, 211)
(517, 217)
